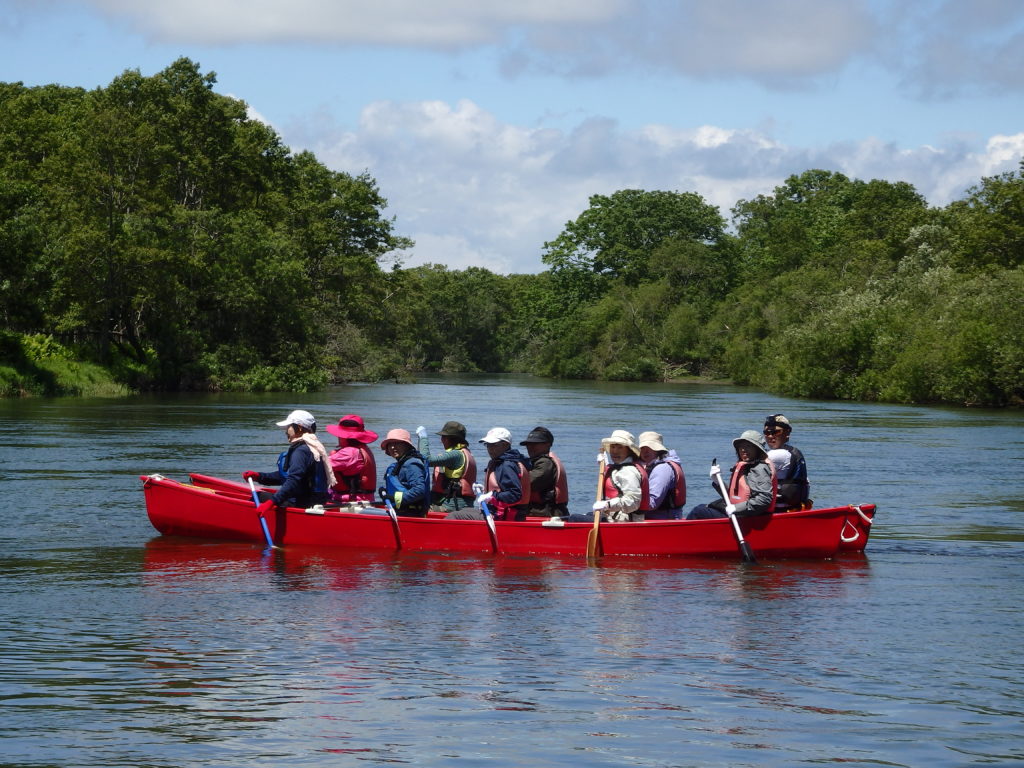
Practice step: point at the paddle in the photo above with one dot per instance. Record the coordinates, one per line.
(592, 536)
(745, 550)
(394, 521)
(478, 489)
(263, 523)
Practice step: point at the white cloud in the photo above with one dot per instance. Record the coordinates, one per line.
(473, 190)
(442, 23)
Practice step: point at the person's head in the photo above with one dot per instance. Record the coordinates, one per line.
(498, 440)
(620, 445)
(651, 447)
(297, 423)
(397, 443)
(748, 447)
(538, 442)
(452, 433)
(776, 430)
(351, 428)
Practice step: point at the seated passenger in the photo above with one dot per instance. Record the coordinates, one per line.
(790, 467)
(506, 484)
(355, 468)
(549, 486)
(454, 469)
(665, 480)
(751, 487)
(303, 468)
(405, 481)
(624, 490)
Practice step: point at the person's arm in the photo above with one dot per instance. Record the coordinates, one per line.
(659, 483)
(627, 480)
(300, 464)
(759, 480)
(448, 459)
(542, 474)
(413, 479)
(510, 486)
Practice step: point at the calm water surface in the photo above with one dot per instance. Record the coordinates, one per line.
(124, 648)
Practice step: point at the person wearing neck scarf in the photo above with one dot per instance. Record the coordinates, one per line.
(303, 469)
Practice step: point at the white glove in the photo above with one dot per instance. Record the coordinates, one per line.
(478, 488)
(715, 470)
(484, 498)
(730, 509)
(421, 431)
(600, 506)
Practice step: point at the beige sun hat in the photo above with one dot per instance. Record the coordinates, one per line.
(621, 437)
(652, 440)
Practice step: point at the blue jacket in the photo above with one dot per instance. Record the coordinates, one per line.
(407, 476)
(506, 476)
(303, 480)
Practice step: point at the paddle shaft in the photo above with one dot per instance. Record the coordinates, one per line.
(592, 536)
(263, 523)
(745, 550)
(490, 524)
(394, 521)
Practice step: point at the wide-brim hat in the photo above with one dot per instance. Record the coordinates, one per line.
(621, 437)
(454, 429)
(652, 440)
(752, 437)
(351, 426)
(538, 435)
(303, 419)
(397, 436)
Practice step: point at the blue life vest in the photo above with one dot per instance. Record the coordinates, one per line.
(319, 477)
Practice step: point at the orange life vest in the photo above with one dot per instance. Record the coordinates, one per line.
(443, 480)
(738, 488)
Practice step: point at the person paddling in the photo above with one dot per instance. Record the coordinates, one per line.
(405, 481)
(624, 490)
(752, 485)
(303, 468)
(506, 483)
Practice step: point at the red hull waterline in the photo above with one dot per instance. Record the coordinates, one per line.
(213, 508)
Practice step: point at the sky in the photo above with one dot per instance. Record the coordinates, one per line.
(489, 125)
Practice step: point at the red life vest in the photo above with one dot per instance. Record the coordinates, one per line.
(677, 498)
(738, 488)
(561, 483)
(611, 491)
(361, 486)
(490, 484)
(442, 478)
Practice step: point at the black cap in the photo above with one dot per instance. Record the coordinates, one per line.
(539, 435)
(778, 420)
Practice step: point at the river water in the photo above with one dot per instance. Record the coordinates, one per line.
(123, 648)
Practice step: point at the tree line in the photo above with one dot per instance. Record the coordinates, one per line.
(155, 237)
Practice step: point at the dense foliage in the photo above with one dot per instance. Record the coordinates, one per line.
(152, 233)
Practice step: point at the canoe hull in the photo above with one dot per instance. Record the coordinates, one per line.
(212, 508)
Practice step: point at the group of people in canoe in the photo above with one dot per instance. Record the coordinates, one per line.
(641, 478)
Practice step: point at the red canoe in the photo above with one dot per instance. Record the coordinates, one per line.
(213, 508)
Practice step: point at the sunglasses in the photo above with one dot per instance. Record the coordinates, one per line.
(776, 431)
